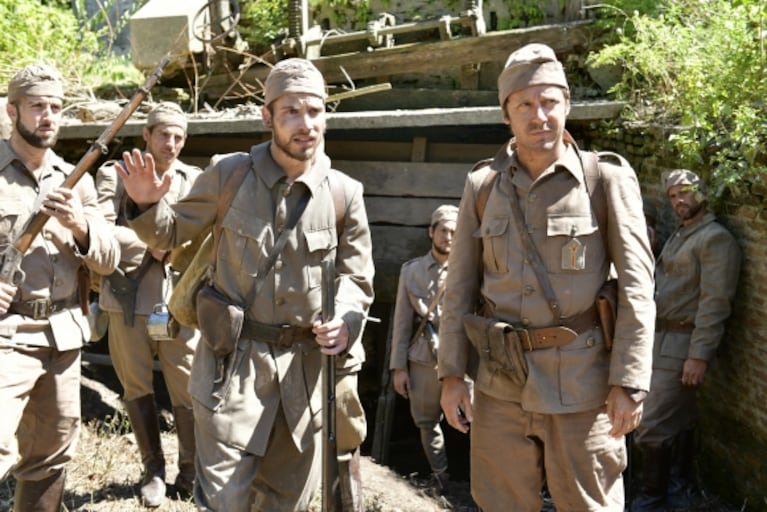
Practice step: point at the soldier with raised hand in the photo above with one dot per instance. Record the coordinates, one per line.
(256, 375)
(136, 336)
(414, 358)
(532, 249)
(696, 278)
(42, 326)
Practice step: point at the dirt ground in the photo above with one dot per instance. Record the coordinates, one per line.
(103, 475)
(106, 467)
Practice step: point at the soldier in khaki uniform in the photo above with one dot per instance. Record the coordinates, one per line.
(696, 277)
(414, 362)
(132, 346)
(258, 427)
(42, 326)
(551, 403)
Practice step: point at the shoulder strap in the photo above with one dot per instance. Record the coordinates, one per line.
(240, 165)
(339, 201)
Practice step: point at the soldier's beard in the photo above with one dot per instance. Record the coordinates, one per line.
(35, 140)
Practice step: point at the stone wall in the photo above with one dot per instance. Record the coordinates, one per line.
(733, 426)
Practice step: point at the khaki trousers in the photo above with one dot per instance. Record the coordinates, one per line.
(133, 353)
(668, 409)
(228, 479)
(514, 452)
(425, 391)
(40, 404)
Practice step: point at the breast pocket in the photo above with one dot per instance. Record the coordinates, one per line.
(243, 238)
(319, 244)
(578, 234)
(495, 243)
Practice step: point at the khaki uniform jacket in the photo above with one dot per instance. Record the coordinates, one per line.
(291, 292)
(419, 280)
(52, 261)
(488, 263)
(112, 196)
(696, 278)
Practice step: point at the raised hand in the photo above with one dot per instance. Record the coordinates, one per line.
(142, 184)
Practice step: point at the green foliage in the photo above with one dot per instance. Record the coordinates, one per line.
(700, 65)
(522, 13)
(265, 22)
(47, 32)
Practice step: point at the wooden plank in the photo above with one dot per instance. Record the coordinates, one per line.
(403, 211)
(407, 179)
(382, 119)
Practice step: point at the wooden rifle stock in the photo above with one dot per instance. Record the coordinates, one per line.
(330, 482)
(98, 148)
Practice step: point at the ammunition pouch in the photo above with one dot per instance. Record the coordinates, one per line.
(124, 290)
(498, 345)
(220, 321)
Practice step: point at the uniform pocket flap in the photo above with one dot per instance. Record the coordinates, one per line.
(570, 225)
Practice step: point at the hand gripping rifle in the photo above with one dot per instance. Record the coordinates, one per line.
(11, 255)
(330, 483)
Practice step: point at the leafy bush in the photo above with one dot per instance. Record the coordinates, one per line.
(32, 31)
(699, 65)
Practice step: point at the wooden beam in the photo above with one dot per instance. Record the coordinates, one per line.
(408, 179)
(381, 119)
(403, 211)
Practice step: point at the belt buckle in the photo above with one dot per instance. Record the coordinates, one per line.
(524, 337)
(41, 308)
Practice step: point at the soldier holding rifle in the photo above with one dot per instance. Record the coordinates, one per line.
(42, 326)
(257, 403)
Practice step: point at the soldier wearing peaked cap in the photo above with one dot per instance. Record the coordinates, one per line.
(136, 335)
(552, 403)
(42, 326)
(696, 277)
(255, 380)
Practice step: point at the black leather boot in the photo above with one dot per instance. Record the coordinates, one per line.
(146, 428)
(654, 481)
(184, 482)
(682, 491)
(44, 495)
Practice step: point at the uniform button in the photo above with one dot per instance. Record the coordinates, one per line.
(47, 235)
(532, 197)
(526, 261)
(525, 322)
(528, 290)
(57, 282)
(280, 301)
(590, 342)
(278, 264)
(239, 231)
(54, 258)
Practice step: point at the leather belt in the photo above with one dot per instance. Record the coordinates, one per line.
(556, 336)
(280, 335)
(40, 309)
(666, 325)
